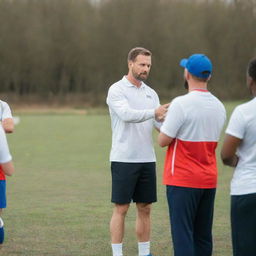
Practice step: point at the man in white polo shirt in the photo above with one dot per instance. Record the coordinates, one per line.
(191, 131)
(134, 110)
(239, 151)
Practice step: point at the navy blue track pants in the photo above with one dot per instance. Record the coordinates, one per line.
(191, 217)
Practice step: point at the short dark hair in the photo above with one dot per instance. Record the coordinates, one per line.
(133, 53)
(252, 69)
(200, 79)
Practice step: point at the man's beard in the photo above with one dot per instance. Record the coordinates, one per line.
(186, 84)
(141, 76)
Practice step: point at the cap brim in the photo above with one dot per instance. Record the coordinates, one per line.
(183, 63)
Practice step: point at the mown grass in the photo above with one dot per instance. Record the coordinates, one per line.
(59, 198)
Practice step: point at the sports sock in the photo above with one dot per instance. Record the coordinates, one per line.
(144, 248)
(1, 231)
(117, 249)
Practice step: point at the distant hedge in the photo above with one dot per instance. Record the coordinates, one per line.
(61, 47)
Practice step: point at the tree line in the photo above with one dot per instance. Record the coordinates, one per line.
(57, 48)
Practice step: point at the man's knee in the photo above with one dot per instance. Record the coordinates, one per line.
(143, 208)
(121, 209)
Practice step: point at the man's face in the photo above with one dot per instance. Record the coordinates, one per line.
(140, 67)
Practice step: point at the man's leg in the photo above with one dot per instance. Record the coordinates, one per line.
(243, 224)
(144, 195)
(1, 230)
(124, 178)
(143, 222)
(2, 205)
(182, 203)
(203, 223)
(117, 223)
(117, 227)
(143, 228)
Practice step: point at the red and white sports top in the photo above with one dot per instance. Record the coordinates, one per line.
(5, 155)
(195, 121)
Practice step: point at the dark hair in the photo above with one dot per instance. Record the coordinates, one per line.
(133, 53)
(200, 79)
(252, 69)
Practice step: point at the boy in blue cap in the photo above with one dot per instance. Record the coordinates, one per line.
(191, 132)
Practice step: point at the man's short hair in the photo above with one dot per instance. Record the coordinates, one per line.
(200, 79)
(252, 69)
(133, 53)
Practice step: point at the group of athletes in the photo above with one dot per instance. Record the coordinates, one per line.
(190, 127)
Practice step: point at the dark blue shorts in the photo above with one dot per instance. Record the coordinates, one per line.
(2, 194)
(133, 182)
(243, 224)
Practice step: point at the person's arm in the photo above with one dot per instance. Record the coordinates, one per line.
(5, 156)
(119, 104)
(8, 168)
(164, 140)
(8, 125)
(174, 120)
(6, 118)
(228, 151)
(234, 135)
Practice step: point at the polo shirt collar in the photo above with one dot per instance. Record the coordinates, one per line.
(129, 84)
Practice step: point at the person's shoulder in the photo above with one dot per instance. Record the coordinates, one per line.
(179, 102)
(4, 104)
(181, 98)
(117, 86)
(246, 107)
(248, 104)
(217, 101)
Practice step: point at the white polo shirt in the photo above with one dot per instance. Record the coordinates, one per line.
(132, 112)
(195, 121)
(5, 111)
(242, 125)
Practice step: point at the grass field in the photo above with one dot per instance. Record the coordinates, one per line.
(59, 198)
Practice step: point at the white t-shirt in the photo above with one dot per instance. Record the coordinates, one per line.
(195, 121)
(5, 111)
(132, 112)
(5, 155)
(242, 125)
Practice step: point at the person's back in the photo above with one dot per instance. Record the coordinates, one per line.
(239, 151)
(191, 159)
(191, 131)
(243, 125)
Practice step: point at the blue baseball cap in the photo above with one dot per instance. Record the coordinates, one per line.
(198, 65)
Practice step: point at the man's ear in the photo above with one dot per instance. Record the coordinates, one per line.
(250, 81)
(130, 64)
(209, 78)
(186, 74)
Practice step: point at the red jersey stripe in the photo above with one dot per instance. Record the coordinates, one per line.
(2, 175)
(191, 164)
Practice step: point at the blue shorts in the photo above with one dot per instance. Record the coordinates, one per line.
(2, 194)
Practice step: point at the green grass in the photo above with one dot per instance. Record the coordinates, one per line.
(59, 198)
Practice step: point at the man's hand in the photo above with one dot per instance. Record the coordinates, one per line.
(160, 112)
(8, 125)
